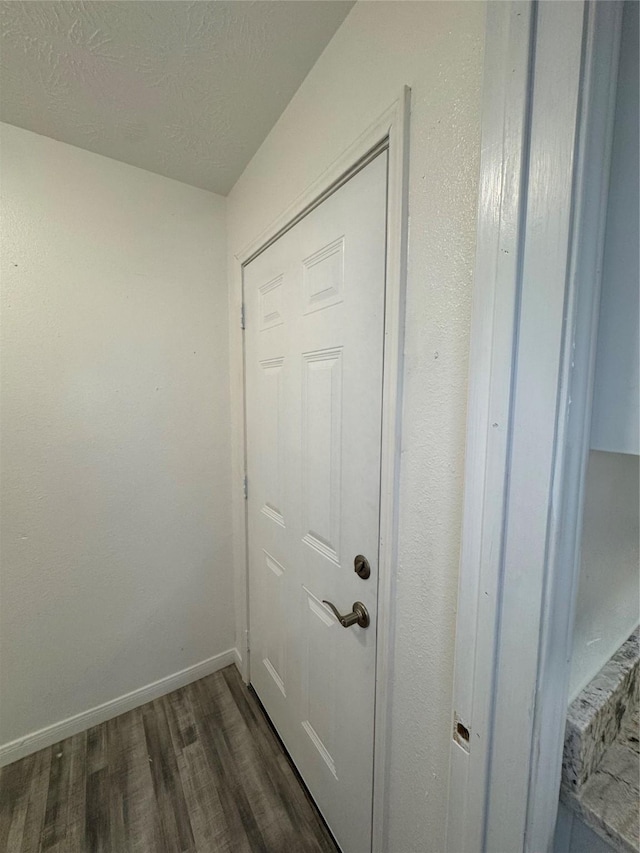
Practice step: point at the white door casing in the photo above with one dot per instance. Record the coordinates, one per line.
(314, 341)
(549, 93)
(390, 130)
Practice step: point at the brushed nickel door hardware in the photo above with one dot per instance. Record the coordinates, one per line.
(361, 567)
(359, 614)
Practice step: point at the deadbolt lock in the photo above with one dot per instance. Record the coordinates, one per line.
(361, 567)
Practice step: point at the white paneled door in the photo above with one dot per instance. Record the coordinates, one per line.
(314, 316)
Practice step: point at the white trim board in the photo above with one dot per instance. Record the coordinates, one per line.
(43, 738)
(391, 129)
(502, 165)
(237, 659)
(594, 141)
(548, 117)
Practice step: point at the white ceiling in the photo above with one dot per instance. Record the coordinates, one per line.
(185, 89)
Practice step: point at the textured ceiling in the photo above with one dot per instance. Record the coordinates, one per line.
(185, 89)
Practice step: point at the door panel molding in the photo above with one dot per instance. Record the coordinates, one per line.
(391, 132)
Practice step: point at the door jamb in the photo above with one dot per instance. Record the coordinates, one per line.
(391, 128)
(549, 99)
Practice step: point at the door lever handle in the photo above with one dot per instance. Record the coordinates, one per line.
(359, 615)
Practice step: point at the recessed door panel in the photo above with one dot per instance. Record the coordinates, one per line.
(321, 450)
(318, 705)
(271, 438)
(274, 628)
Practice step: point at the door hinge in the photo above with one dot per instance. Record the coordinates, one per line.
(245, 487)
(242, 316)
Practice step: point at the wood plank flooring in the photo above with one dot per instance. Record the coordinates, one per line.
(197, 771)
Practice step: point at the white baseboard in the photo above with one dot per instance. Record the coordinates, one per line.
(43, 738)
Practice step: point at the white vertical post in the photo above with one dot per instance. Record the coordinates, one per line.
(549, 85)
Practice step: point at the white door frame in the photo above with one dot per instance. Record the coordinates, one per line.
(549, 98)
(390, 131)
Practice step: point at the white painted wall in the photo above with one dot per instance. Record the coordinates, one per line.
(115, 464)
(616, 402)
(436, 48)
(608, 603)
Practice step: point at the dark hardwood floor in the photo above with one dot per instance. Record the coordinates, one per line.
(197, 771)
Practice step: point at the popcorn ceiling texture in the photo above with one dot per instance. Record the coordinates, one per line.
(185, 89)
